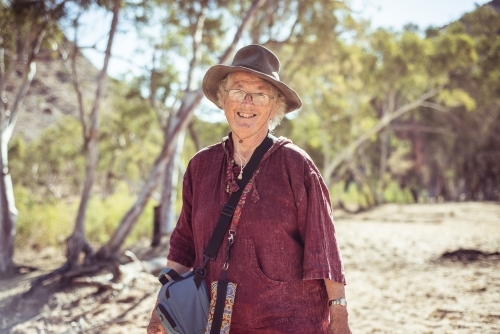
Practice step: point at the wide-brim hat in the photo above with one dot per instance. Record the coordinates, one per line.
(257, 60)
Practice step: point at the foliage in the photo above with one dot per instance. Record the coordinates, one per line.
(129, 141)
(466, 164)
(48, 222)
(352, 84)
(49, 166)
(349, 79)
(104, 215)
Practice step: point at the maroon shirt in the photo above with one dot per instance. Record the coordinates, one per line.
(285, 243)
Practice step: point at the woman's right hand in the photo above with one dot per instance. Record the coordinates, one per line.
(154, 326)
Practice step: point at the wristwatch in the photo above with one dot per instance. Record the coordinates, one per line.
(340, 301)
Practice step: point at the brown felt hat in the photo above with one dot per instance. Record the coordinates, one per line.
(255, 59)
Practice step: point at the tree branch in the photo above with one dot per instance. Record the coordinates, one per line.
(197, 39)
(29, 73)
(347, 153)
(247, 20)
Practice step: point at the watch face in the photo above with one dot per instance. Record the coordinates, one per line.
(340, 301)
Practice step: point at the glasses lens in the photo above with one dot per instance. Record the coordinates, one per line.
(260, 99)
(237, 95)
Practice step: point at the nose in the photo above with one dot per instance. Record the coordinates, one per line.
(248, 98)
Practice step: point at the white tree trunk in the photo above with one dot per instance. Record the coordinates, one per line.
(76, 243)
(8, 215)
(169, 192)
(8, 119)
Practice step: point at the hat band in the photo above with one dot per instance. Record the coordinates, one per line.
(273, 73)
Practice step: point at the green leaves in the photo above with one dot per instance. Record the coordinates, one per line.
(456, 98)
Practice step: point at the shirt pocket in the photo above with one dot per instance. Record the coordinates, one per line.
(261, 301)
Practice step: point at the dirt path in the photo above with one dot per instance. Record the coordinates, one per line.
(397, 282)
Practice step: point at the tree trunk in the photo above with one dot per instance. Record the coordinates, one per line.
(8, 119)
(384, 147)
(384, 151)
(8, 215)
(164, 213)
(76, 243)
(169, 192)
(194, 137)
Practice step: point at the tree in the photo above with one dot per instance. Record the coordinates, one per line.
(463, 166)
(23, 29)
(374, 83)
(77, 243)
(177, 123)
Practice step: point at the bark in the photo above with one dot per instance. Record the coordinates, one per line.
(347, 154)
(8, 119)
(194, 137)
(169, 192)
(77, 243)
(189, 103)
(8, 216)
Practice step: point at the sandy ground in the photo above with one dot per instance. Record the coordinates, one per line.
(397, 280)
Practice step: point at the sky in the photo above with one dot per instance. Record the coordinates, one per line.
(396, 13)
(382, 13)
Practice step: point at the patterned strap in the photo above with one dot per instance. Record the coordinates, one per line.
(219, 307)
(229, 208)
(239, 207)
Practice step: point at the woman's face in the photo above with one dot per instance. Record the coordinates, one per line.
(246, 118)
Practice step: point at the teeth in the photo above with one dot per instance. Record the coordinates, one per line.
(246, 115)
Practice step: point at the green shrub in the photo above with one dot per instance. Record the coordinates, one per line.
(50, 222)
(42, 223)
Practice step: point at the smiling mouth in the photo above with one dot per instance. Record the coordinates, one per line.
(246, 115)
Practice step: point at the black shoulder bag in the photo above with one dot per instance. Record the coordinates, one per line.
(183, 302)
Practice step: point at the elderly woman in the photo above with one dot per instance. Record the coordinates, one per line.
(285, 258)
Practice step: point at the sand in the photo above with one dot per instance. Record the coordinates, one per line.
(397, 281)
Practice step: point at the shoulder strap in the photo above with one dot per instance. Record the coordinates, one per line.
(228, 209)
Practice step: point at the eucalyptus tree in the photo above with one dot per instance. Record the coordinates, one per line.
(77, 243)
(25, 26)
(465, 165)
(376, 80)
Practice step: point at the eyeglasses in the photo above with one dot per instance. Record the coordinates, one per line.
(239, 95)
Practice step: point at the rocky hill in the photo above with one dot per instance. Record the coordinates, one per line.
(51, 94)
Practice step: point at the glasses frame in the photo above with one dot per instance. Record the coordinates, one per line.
(251, 96)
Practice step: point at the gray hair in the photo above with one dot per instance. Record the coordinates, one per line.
(280, 107)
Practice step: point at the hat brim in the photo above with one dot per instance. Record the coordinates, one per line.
(217, 73)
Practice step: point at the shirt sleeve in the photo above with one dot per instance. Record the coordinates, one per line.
(322, 258)
(182, 249)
